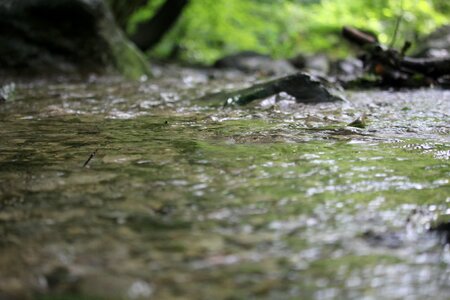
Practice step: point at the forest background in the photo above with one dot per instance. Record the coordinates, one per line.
(209, 29)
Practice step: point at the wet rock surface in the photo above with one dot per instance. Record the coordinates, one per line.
(40, 38)
(304, 87)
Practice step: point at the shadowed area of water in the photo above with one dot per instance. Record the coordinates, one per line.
(184, 199)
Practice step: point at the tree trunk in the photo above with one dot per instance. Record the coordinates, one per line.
(149, 33)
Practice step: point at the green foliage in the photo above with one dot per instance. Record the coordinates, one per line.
(209, 29)
(124, 9)
(143, 14)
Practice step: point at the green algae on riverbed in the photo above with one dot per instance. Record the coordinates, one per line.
(186, 201)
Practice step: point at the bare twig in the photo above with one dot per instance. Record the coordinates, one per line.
(397, 26)
(405, 48)
(90, 157)
(394, 35)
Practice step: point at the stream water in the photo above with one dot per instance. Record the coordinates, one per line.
(185, 199)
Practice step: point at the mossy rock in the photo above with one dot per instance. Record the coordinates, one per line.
(74, 38)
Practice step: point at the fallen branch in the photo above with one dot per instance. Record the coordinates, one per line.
(393, 66)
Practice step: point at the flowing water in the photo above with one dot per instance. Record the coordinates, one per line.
(185, 199)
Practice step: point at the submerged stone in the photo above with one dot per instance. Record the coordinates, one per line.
(360, 122)
(304, 87)
(442, 227)
(107, 286)
(40, 38)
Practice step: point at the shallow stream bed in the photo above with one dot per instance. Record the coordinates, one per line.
(185, 199)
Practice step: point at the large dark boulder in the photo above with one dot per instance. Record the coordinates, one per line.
(42, 38)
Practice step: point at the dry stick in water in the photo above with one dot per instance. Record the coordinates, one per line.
(90, 157)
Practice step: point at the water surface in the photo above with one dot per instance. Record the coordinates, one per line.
(185, 199)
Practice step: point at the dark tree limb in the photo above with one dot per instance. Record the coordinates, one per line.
(149, 33)
(433, 67)
(357, 37)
